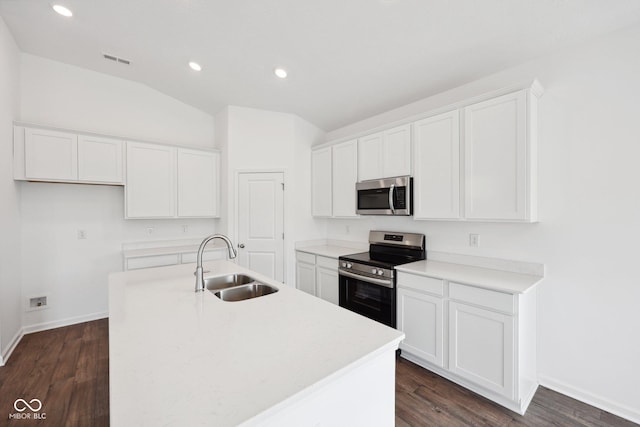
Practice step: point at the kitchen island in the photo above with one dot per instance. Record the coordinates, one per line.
(183, 358)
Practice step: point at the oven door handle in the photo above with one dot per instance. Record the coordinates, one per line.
(372, 280)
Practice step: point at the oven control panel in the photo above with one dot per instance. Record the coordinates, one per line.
(366, 270)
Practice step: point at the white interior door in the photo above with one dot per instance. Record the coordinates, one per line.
(261, 223)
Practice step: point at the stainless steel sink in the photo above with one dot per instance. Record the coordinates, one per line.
(243, 292)
(230, 280)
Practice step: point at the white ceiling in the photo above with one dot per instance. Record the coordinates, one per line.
(347, 59)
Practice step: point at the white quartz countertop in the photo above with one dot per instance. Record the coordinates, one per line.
(330, 251)
(498, 280)
(183, 358)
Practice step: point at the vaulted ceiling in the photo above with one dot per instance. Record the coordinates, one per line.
(346, 59)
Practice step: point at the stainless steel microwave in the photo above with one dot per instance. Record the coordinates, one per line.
(387, 196)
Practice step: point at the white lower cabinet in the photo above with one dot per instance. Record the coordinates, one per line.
(481, 347)
(150, 261)
(306, 272)
(327, 279)
(317, 275)
(421, 318)
(482, 339)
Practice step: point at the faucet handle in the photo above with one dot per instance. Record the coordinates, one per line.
(203, 272)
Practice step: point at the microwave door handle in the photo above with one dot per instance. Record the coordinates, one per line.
(393, 209)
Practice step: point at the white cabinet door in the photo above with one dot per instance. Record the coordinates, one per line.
(151, 183)
(198, 177)
(396, 160)
(370, 149)
(345, 175)
(385, 154)
(51, 155)
(327, 284)
(100, 159)
(321, 182)
(306, 277)
(421, 318)
(481, 347)
(436, 168)
(496, 155)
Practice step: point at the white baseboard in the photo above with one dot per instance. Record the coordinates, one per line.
(46, 326)
(12, 346)
(64, 322)
(628, 413)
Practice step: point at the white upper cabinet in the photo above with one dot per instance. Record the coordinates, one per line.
(436, 183)
(198, 176)
(370, 157)
(151, 181)
(100, 159)
(500, 148)
(170, 182)
(385, 154)
(345, 175)
(397, 152)
(50, 155)
(321, 173)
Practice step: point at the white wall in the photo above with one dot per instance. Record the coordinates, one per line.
(259, 140)
(589, 217)
(10, 277)
(72, 272)
(70, 97)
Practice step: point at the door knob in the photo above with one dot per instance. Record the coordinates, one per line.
(241, 245)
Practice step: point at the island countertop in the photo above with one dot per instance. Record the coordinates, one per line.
(183, 358)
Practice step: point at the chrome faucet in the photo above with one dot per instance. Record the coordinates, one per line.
(199, 273)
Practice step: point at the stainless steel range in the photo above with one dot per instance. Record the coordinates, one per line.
(368, 279)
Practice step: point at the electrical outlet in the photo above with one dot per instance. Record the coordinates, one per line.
(185, 228)
(474, 240)
(82, 234)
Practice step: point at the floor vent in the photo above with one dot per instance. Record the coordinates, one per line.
(116, 59)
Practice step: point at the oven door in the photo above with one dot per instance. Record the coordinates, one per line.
(370, 297)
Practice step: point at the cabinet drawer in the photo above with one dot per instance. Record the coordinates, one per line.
(152, 261)
(206, 256)
(499, 301)
(306, 257)
(421, 283)
(323, 261)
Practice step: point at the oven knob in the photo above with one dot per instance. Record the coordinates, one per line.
(348, 265)
(374, 271)
(344, 264)
(380, 272)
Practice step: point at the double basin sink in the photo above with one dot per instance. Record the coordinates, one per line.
(237, 287)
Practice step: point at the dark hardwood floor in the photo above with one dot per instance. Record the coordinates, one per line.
(426, 399)
(68, 370)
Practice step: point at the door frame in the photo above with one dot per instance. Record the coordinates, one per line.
(285, 227)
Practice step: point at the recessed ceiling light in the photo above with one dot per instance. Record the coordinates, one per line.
(195, 66)
(280, 72)
(62, 10)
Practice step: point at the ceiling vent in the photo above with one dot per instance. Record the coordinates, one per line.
(116, 59)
